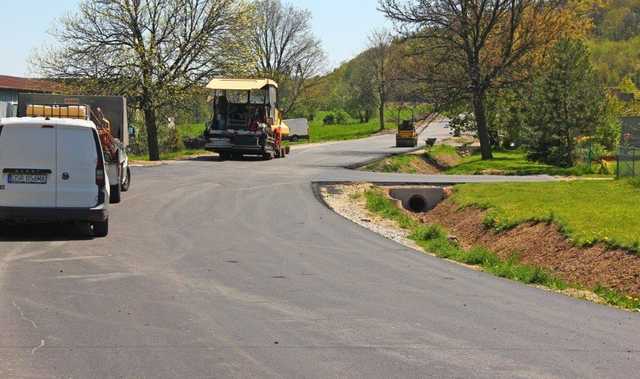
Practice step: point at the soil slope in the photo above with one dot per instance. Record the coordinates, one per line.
(543, 245)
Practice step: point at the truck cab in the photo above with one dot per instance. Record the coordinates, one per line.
(246, 119)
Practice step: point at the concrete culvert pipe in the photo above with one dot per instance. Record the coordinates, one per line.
(418, 204)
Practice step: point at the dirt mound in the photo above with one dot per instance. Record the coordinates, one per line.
(543, 245)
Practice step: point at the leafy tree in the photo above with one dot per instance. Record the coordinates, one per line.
(287, 50)
(153, 51)
(567, 103)
(473, 46)
(378, 58)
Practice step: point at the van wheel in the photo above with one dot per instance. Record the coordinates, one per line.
(101, 229)
(114, 198)
(127, 181)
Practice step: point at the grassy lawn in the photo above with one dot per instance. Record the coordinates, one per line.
(170, 156)
(588, 211)
(434, 239)
(447, 159)
(318, 132)
(190, 130)
(511, 163)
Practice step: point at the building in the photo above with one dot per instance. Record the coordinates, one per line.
(11, 86)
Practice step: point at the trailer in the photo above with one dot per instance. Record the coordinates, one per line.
(108, 113)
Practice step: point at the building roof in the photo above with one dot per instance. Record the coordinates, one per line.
(26, 84)
(240, 84)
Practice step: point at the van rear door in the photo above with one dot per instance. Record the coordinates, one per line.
(77, 161)
(28, 165)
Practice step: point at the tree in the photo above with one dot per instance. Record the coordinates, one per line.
(153, 51)
(378, 57)
(567, 103)
(473, 46)
(286, 48)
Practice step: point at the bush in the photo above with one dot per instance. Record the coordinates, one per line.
(329, 119)
(336, 117)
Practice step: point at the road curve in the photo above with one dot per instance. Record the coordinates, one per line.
(234, 269)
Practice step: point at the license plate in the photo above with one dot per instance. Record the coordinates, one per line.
(27, 179)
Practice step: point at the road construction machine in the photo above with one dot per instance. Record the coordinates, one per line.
(246, 119)
(406, 136)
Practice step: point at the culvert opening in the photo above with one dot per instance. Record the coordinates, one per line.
(417, 204)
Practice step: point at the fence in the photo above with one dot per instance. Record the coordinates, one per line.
(628, 162)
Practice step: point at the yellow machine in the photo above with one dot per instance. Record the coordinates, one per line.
(246, 119)
(407, 136)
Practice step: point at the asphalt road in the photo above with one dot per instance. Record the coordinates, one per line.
(234, 269)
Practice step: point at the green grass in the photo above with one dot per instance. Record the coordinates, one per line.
(503, 163)
(169, 156)
(404, 164)
(318, 132)
(190, 130)
(434, 239)
(588, 211)
(511, 163)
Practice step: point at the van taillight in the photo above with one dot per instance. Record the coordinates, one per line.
(100, 180)
(100, 174)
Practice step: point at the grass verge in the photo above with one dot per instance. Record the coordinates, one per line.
(587, 211)
(318, 132)
(182, 154)
(512, 163)
(434, 239)
(446, 159)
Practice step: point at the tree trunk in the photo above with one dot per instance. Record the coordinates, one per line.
(381, 113)
(152, 130)
(481, 123)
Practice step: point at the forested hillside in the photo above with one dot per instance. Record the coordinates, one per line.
(615, 42)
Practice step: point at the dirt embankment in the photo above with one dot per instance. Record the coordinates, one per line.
(543, 245)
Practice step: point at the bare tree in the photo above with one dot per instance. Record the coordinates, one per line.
(379, 55)
(472, 46)
(287, 50)
(151, 50)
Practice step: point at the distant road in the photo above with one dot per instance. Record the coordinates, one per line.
(234, 269)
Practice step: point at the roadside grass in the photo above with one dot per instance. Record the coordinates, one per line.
(587, 211)
(512, 163)
(193, 130)
(447, 159)
(405, 164)
(318, 132)
(186, 153)
(434, 239)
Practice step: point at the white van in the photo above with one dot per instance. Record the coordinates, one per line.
(53, 170)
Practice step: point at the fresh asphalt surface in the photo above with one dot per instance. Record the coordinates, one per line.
(235, 269)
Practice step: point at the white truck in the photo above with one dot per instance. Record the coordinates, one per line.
(108, 113)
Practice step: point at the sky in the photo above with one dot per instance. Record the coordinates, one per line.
(341, 25)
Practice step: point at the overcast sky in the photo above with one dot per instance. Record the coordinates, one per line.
(342, 25)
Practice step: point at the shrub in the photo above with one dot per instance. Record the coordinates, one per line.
(329, 119)
(336, 117)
